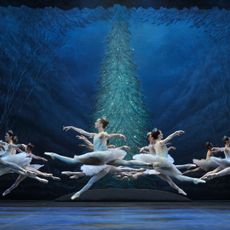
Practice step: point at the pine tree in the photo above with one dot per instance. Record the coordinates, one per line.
(119, 97)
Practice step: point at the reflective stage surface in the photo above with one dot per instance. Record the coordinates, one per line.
(81, 215)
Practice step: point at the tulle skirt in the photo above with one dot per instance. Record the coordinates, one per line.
(163, 165)
(150, 158)
(205, 164)
(21, 159)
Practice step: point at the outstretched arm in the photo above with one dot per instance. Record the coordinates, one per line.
(172, 148)
(81, 131)
(112, 135)
(37, 157)
(144, 149)
(217, 149)
(87, 142)
(171, 136)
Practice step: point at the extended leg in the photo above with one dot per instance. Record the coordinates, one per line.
(43, 174)
(131, 163)
(185, 166)
(64, 159)
(19, 179)
(223, 172)
(189, 179)
(192, 170)
(172, 184)
(73, 175)
(14, 167)
(205, 176)
(90, 183)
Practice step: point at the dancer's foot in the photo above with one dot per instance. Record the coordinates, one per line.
(67, 173)
(55, 178)
(75, 177)
(75, 196)
(44, 181)
(6, 192)
(198, 181)
(182, 192)
(51, 154)
(210, 176)
(189, 166)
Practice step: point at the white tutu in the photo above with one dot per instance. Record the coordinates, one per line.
(150, 158)
(224, 162)
(91, 170)
(160, 164)
(101, 157)
(205, 164)
(21, 159)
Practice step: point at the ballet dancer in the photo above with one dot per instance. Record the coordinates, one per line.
(31, 167)
(150, 157)
(13, 162)
(223, 163)
(207, 164)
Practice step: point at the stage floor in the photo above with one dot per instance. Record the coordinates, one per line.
(45, 215)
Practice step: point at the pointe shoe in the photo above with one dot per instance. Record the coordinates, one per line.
(56, 178)
(67, 173)
(75, 196)
(30, 174)
(49, 154)
(75, 177)
(210, 177)
(42, 180)
(182, 192)
(6, 193)
(189, 166)
(198, 181)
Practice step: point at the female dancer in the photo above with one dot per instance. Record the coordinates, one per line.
(96, 163)
(12, 162)
(163, 163)
(204, 165)
(31, 167)
(223, 163)
(9, 148)
(151, 158)
(101, 155)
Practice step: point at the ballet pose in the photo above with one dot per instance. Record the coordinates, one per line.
(101, 155)
(12, 162)
(150, 157)
(9, 164)
(207, 164)
(31, 167)
(222, 163)
(101, 161)
(163, 163)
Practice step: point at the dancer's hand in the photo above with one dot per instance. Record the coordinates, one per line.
(44, 159)
(80, 137)
(180, 132)
(66, 128)
(172, 148)
(122, 136)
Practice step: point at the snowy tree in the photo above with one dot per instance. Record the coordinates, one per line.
(119, 94)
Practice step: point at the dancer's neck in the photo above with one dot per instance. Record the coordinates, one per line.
(100, 130)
